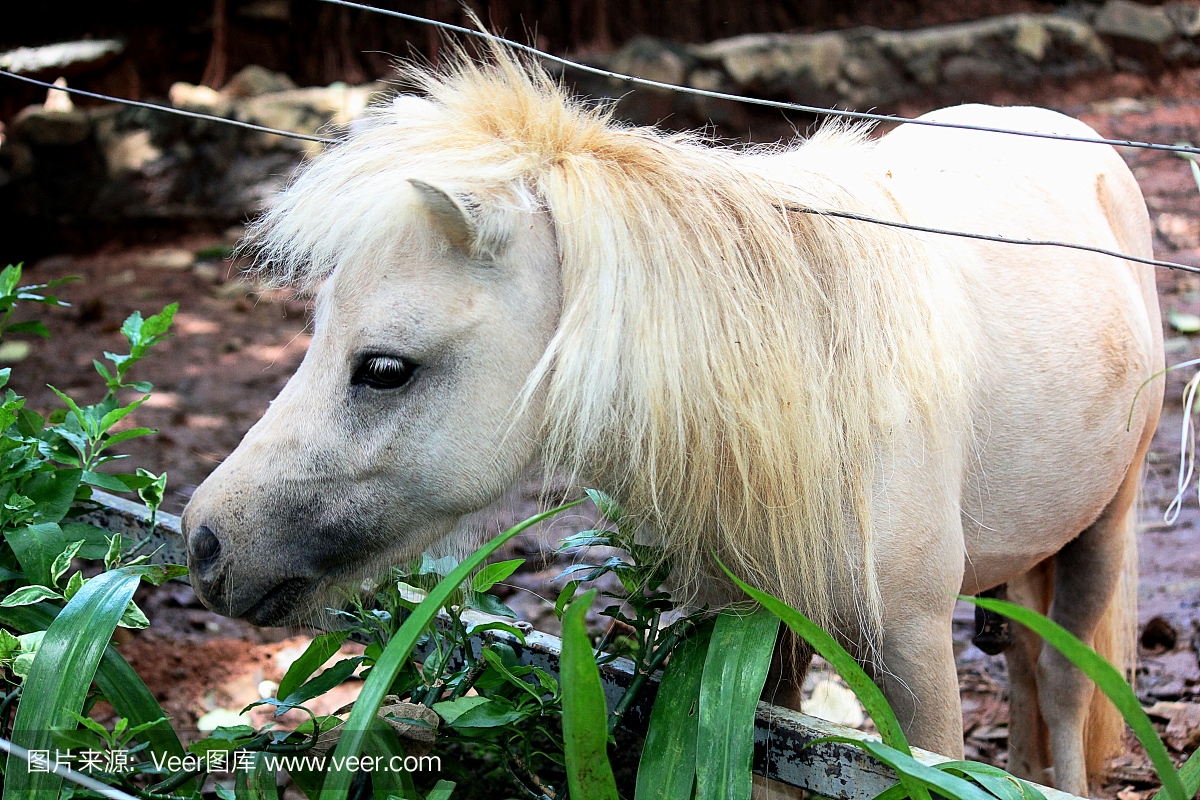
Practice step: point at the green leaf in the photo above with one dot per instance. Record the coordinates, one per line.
(495, 713)
(152, 494)
(30, 423)
(584, 712)
(492, 574)
(1107, 678)
(911, 770)
(381, 742)
(95, 540)
(9, 278)
(117, 681)
(1189, 773)
(33, 326)
(667, 770)
(995, 780)
(450, 710)
(126, 435)
(512, 630)
(257, 783)
(735, 670)
(395, 655)
(52, 493)
(564, 597)
(334, 676)
(118, 414)
(62, 562)
(859, 682)
(28, 595)
(489, 604)
(8, 645)
(134, 618)
(61, 673)
(74, 584)
(101, 480)
(319, 650)
(36, 547)
(440, 791)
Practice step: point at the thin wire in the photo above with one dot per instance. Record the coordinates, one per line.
(169, 110)
(1154, 262)
(43, 763)
(758, 101)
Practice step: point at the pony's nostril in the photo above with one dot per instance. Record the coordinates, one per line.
(205, 547)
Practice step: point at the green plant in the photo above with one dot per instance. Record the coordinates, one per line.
(48, 468)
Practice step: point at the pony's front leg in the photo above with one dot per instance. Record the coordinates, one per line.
(920, 555)
(920, 680)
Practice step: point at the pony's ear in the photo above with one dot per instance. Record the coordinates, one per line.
(451, 217)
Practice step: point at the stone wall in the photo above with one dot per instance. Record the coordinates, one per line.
(866, 68)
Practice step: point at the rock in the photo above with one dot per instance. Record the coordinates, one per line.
(199, 98)
(37, 126)
(306, 110)
(771, 59)
(652, 59)
(129, 152)
(57, 99)
(1032, 39)
(1185, 17)
(253, 81)
(66, 57)
(1124, 19)
(167, 258)
(207, 271)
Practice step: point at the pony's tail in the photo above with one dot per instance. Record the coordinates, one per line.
(1116, 641)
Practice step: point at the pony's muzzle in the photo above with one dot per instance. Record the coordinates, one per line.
(204, 567)
(204, 549)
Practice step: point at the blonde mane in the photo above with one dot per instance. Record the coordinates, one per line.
(730, 371)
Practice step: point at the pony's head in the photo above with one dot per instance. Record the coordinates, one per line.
(504, 275)
(398, 420)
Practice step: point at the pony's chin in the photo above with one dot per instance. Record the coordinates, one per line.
(287, 603)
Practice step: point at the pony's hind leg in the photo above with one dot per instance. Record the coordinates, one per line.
(1089, 602)
(1028, 750)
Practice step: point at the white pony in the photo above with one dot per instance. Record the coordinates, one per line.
(860, 420)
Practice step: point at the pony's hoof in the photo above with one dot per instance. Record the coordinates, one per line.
(993, 633)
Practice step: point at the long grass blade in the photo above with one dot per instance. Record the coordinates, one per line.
(859, 682)
(739, 656)
(383, 744)
(1189, 773)
(395, 655)
(61, 673)
(117, 681)
(584, 714)
(1106, 677)
(909, 768)
(667, 769)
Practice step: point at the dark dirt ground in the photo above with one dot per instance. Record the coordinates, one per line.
(234, 348)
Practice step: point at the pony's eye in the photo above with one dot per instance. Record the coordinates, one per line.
(383, 372)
